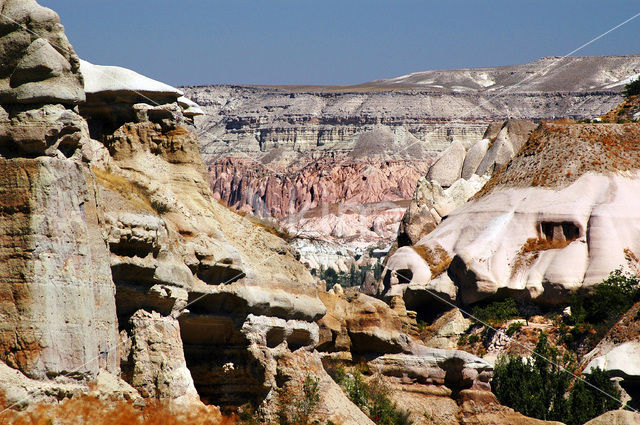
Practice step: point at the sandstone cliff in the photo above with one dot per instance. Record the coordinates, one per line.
(115, 257)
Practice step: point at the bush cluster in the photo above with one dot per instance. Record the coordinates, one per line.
(496, 312)
(593, 314)
(632, 89)
(354, 277)
(299, 410)
(371, 397)
(540, 387)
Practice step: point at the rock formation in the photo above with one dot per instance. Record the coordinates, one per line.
(286, 152)
(559, 217)
(115, 259)
(456, 176)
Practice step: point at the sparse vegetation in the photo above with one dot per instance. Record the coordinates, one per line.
(497, 312)
(354, 277)
(514, 328)
(593, 314)
(532, 248)
(371, 396)
(129, 190)
(299, 410)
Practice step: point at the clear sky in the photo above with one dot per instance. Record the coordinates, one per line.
(335, 41)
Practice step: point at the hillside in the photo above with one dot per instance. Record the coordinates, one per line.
(286, 152)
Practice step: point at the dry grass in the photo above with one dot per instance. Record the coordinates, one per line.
(90, 410)
(438, 259)
(532, 248)
(623, 112)
(124, 187)
(556, 155)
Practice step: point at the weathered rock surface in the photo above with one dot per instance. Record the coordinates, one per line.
(155, 363)
(446, 170)
(363, 324)
(616, 417)
(120, 233)
(525, 233)
(38, 63)
(58, 309)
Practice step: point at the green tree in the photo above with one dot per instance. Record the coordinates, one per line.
(632, 89)
(539, 387)
(535, 387)
(587, 402)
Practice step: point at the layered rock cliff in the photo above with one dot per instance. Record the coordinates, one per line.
(285, 152)
(116, 259)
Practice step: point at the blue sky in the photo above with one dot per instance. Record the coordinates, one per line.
(335, 41)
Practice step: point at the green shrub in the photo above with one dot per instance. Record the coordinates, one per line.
(533, 387)
(294, 410)
(632, 89)
(593, 314)
(540, 387)
(585, 402)
(372, 398)
(514, 328)
(497, 312)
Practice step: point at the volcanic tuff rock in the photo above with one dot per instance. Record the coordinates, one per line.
(466, 173)
(105, 241)
(38, 62)
(282, 151)
(617, 353)
(558, 218)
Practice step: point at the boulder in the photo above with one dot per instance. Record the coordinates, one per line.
(616, 417)
(617, 361)
(39, 64)
(154, 363)
(447, 330)
(474, 157)
(446, 170)
(362, 325)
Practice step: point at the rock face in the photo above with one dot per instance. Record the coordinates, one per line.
(446, 170)
(116, 263)
(558, 218)
(456, 176)
(58, 305)
(616, 417)
(39, 64)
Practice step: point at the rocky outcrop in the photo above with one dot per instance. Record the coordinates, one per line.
(525, 233)
(58, 308)
(153, 360)
(363, 325)
(38, 63)
(117, 264)
(456, 176)
(616, 417)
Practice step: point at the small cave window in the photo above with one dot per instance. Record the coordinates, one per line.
(565, 231)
